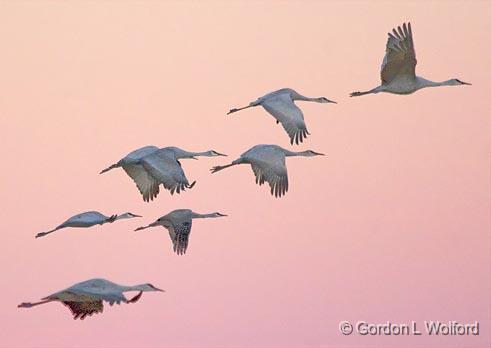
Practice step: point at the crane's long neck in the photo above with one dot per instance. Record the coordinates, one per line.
(304, 98)
(204, 153)
(423, 83)
(204, 216)
(139, 287)
(179, 153)
(289, 153)
(189, 154)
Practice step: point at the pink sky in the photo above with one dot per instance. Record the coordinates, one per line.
(394, 224)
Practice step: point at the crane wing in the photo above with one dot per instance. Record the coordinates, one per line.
(80, 310)
(179, 234)
(166, 169)
(273, 171)
(90, 301)
(89, 217)
(138, 154)
(284, 110)
(400, 57)
(95, 291)
(147, 185)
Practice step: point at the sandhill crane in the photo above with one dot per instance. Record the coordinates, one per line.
(150, 166)
(398, 71)
(178, 223)
(281, 105)
(268, 165)
(89, 219)
(86, 298)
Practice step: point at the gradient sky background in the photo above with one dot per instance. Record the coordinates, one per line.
(394, 224)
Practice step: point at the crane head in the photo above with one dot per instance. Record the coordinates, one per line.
(150, 287)
(325, 100)
(457, 82)
(310, 153)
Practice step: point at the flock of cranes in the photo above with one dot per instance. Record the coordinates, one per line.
(150, 166)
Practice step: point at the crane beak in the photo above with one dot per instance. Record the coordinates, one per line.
(157, 289)
(135, 215)
(218, 153)
(220, 214)
(466, 83)
(318, 153)
(331, 101)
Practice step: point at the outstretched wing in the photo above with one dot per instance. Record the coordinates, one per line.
(179, 234)
(80, 310)
(400, 57)
(272, 169)
(164, 168)
(284, 110)
(147, 185)
(95, 290)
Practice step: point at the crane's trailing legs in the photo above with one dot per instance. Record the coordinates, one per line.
(218, 168)
(374, 90)
(41, 234)
(238, 109)
(31, 304)
(116, 165)
(251, 105)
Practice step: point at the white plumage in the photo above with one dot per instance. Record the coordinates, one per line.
(179, 223)
(150, 166)
(86, 298)
(268, 165)
(398, 72)
(281, 105)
